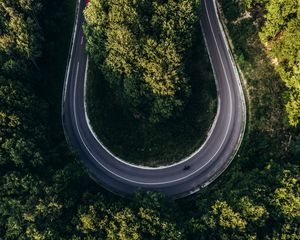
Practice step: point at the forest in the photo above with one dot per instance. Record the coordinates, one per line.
(135, 124)
(281, 36)
(141, 47)
(46, 193)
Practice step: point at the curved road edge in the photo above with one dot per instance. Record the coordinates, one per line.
(210, 130)
(244, 106)
(68, 66)
(240, 137)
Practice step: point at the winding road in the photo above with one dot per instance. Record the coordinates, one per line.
(206, 164)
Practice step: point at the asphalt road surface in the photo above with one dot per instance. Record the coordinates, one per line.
(176, 180)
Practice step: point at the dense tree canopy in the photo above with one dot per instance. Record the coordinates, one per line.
(281, 35)
(20, 135)
(141, 47)
(45, 194)
(147, 217)
(280, 23)
(253, 211)
(19, 35)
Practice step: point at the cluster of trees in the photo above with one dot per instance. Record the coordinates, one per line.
(147, 216)
(263, 193)
(141, 47)
(45, 194)
(26, 199)
(261, 204)
(281, 36)
(21, 130)
(19, 35)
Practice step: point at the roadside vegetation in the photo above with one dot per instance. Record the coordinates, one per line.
(158, 134)
(281, 37)
(258, 196)
(141, 48)
(150, 144)
(46, 194)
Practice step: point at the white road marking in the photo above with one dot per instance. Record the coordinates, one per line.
(175, 180)
(160, 167)
(81, 40)
(70, 56)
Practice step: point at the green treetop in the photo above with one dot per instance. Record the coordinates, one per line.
(140, 46)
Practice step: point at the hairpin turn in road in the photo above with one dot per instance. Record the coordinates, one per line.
(176, 180)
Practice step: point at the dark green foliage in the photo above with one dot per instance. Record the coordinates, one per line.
(141, 47)
(257, 195)
(148, 216)
(43, 191)
(20, 35)
(163, 143)
(21, 130)
(34, 185)
(264, 204)
(46, 195)
(280, 33)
